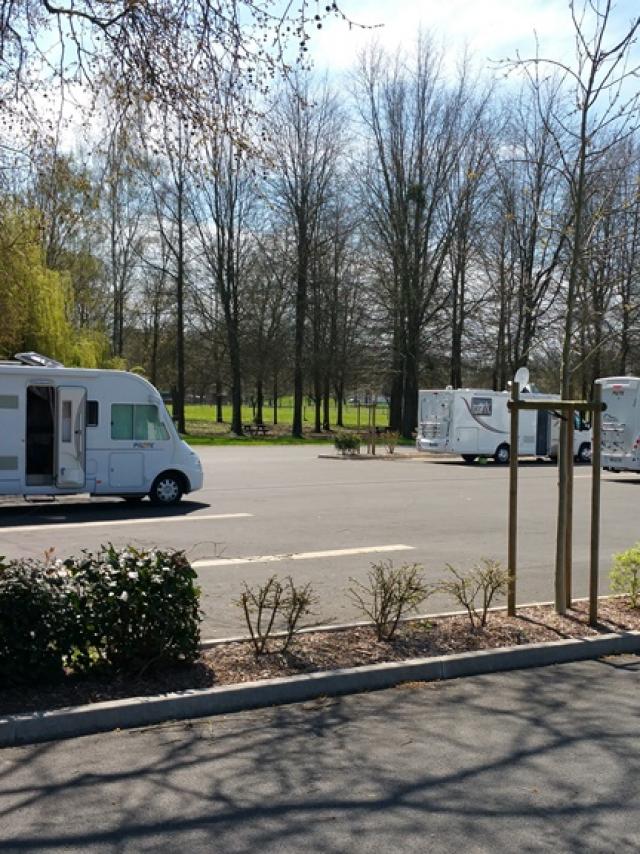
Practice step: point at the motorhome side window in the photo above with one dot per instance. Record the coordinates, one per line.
(481, 405)
(137, 421)
(92, 413)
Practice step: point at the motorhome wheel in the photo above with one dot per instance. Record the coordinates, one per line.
(501, 455)
(166, 490)
(584, 453)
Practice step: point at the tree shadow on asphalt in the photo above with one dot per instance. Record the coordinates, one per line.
(528, 761)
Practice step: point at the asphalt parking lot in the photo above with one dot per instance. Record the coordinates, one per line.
(286, 510)
(543, 760)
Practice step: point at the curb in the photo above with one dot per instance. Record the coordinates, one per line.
(384, 457)
(143, 711)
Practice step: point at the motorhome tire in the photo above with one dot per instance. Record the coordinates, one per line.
(502, 454)
(584, 453)
(167, 489)
(469, 458)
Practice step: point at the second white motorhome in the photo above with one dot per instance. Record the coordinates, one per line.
(620, 443)
(476, 423)
(71, 430)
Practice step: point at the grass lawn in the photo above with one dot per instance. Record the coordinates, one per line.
(203, 429)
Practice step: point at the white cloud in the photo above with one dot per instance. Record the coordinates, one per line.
(491, 29)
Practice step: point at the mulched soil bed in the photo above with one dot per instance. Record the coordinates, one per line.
(235, 662)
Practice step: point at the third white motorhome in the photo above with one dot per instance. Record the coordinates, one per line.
(475, 423)
(620, 444)
(70, 430)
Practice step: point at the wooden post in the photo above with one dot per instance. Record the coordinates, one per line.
(568, 540)
(596, 425)
(513, 502)
(561, 531)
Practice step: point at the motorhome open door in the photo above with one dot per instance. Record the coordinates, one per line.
(70, 437)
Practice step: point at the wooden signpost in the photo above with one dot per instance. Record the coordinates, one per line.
(564, 544)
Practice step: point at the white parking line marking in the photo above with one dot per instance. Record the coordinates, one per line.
(114, 522)
(230, 561)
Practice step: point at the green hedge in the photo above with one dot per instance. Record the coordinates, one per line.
(125, 609)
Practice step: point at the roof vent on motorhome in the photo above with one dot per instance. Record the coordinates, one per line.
(37, 360)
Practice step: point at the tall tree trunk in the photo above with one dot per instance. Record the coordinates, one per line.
(397, 384)
(259, 401)
(457, 327)
(155, 340)
(236, 380)
(301, 316)
(275, 398)
(410, 408)
(180, 274)
(339, 404)
(219, 418)
(326, 406)
(317, 401)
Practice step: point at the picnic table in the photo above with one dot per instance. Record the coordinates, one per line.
(257, 429)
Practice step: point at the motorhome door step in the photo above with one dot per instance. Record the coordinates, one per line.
(39, 499)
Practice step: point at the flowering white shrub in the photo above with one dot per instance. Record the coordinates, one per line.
(124, 609)
(140, 608)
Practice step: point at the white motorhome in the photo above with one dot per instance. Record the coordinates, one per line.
(76, 430)
(476, 423)
(620, 442)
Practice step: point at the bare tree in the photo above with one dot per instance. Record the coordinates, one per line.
(467, 198)
(168, 184)
(169, 54)
(525, 249)
(221, 207)
(305, 130)
(417, 128)
(267, 309)
(628, 285)
(124, 205)
(601, 110)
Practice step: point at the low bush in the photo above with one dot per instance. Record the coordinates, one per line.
(38, 631)
(391, 439)
(139, 608)
(347, 443)
(274, 607)
(625, 574)
(476, 590)
(389, 594)
(124, 609)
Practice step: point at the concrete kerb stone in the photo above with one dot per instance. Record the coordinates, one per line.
(142, 711)
(386, 457)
